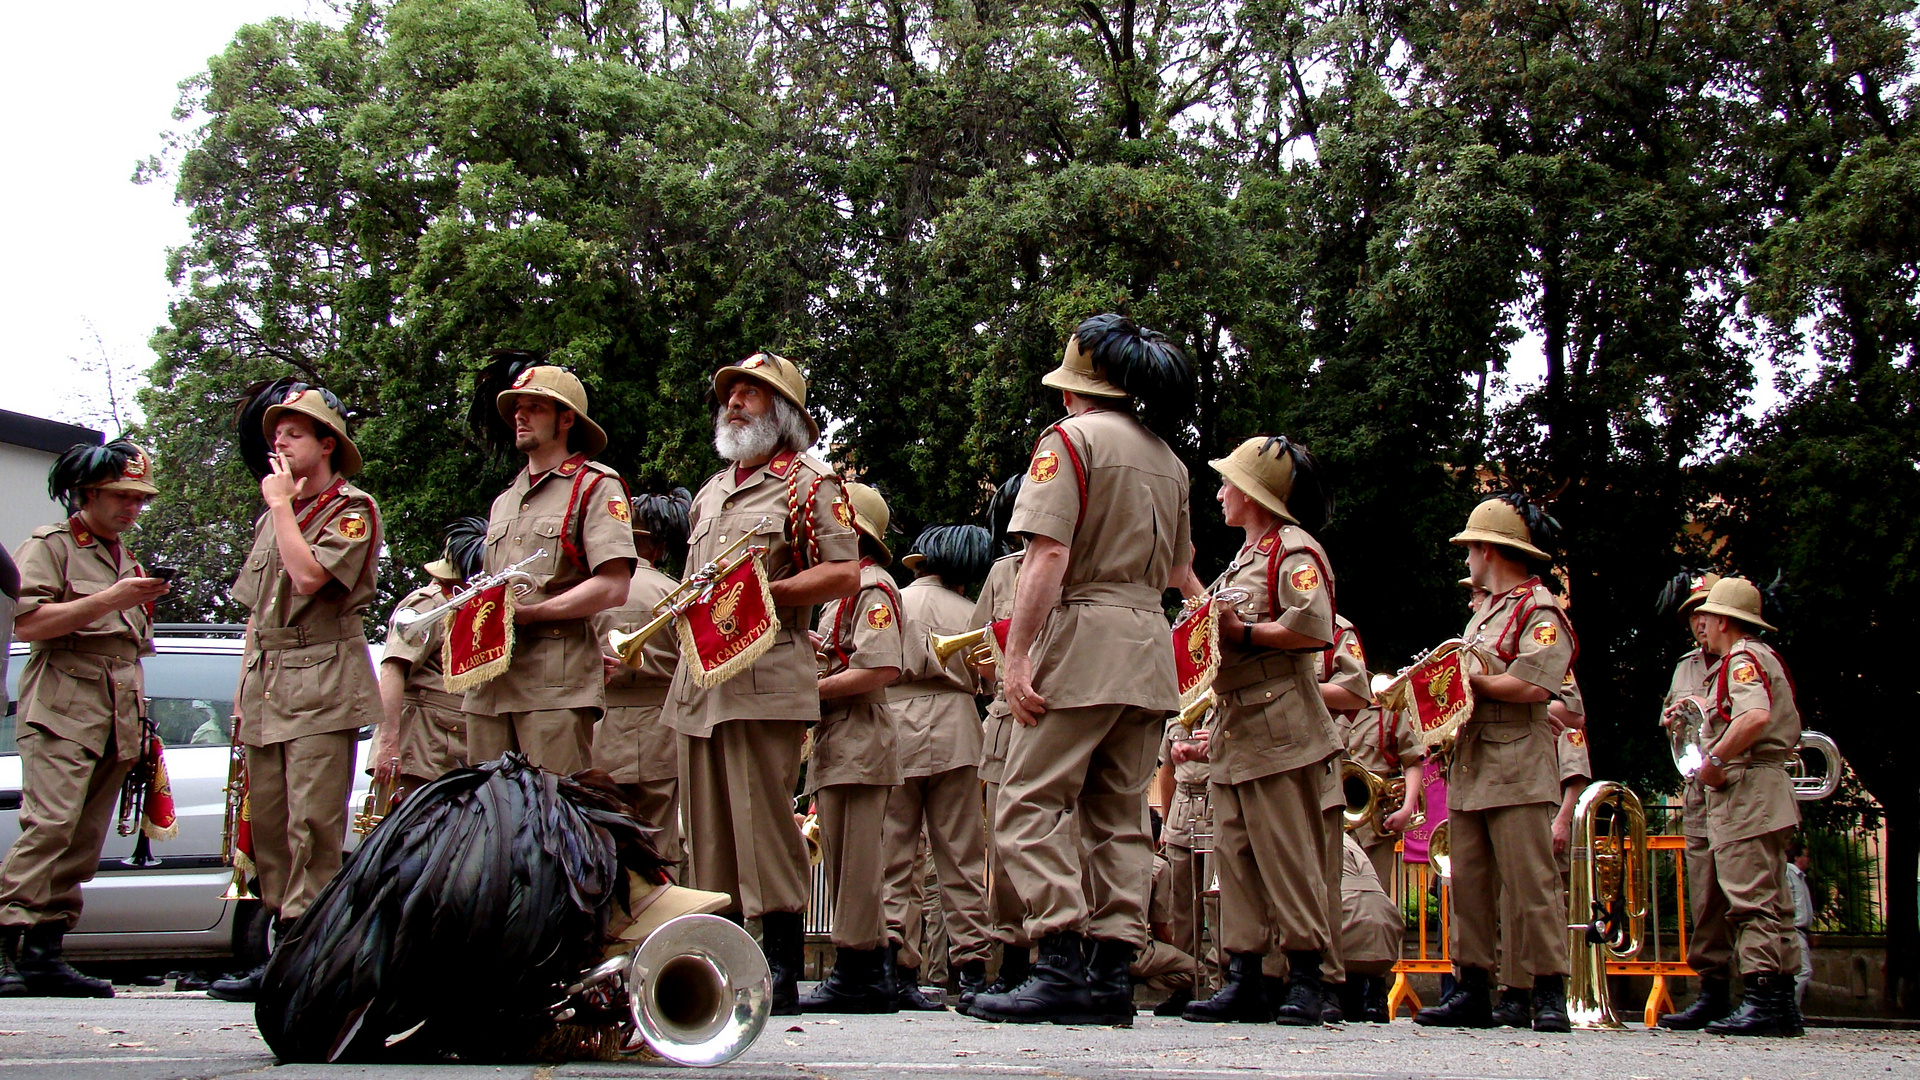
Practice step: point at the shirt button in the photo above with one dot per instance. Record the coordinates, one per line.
(728, 505)
(723, 538)
(268, 695)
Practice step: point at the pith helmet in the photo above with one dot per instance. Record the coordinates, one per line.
(1495, 521)
(1697, 591)
(442, 568)
(1266, 478)
(1736, 598)
(135, 475)
(778, 373)
(313, 405)
(870, 517)
(559, 385)
(1077, 373)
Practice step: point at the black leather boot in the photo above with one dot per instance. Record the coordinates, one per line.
(1515, 1009)
(857, 984)
(905, 981)
(1304, 1002)
(1713, 1002)
(1765, 1009)
(973, 979)
(46, 973)
(1175, 1003)
(1466, 1007)
(1373, 1000)
(1333, 1007)
(783, 938)
(1110, 981)
(1015, 962)
(1550, 1003)
(1056, 988)
(1242, 999)
(11, 984)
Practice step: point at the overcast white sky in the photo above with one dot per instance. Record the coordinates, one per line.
(84, 277)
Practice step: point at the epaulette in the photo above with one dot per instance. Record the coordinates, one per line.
(603, 467)
(1012, 555)
(45, 531)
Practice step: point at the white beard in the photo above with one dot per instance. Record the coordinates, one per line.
(751, 443)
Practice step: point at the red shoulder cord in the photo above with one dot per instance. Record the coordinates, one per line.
(1079, 468)
(801, 515)
(1273, 572)
(1720, 688)
(374, 537)
(569, 523)
(1516, 622)
(843, 618)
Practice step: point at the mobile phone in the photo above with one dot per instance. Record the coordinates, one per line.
(164, 573)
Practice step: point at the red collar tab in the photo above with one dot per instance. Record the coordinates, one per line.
(81, 534)
(572, 465)
(1268, 542)
(782, 463)
(1525, 587)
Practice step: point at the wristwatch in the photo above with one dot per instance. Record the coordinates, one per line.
(1714, 760)
(1246, 636)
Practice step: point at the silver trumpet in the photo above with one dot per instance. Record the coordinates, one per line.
(697, 992)
(414, 626)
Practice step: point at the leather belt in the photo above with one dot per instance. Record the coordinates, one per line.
(1123, 594)
(437, 699)
(1193, 789)
(113, 648)
(275, 638)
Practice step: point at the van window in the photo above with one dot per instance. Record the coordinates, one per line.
(192, 696)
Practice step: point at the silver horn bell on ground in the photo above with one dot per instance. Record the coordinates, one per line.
(699, 990)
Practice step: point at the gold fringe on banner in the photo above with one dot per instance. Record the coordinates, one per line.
(486, 672)
(739, 661)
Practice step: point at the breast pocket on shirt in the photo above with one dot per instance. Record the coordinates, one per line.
(303, 676)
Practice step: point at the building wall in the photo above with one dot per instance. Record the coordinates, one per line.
(24, 505)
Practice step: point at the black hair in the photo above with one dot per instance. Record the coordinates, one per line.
(467, 544)
(483, 413)
(1145, 364)
(959, 554)
(1310, 500)
(1000, 510)
(84, 463)
(256, 446)
(664, 518)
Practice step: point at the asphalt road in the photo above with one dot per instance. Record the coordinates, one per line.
(171, 1036)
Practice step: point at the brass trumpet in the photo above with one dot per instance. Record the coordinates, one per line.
(235, 796)
(415, 625)
(979, 653)
(1371, 798)
(684, 595)
(1196, 710)
(380, 799)
(810, 834)
(1607, 901)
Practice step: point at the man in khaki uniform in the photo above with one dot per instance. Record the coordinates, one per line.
(423, 733)
(1273, 749)
(1089, 672)
(575, 510)
(1186, 802)
(306, 676)
(1753, 727)
(83, 605)
(1503, 783)
(632, 742)
(938, 728)
(854, 767)
(740, 740)
(1710, 945)
(1004, 913)
(1163, 967)
(1382, 741)
(1346, 690)
(1371, 929)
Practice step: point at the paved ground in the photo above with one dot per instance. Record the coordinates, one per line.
(165, 1036)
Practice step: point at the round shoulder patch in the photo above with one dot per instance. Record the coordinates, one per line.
(352, 525)
(1546, 633)
(1745, 672)
(1576, 737)
(1304, 578)
(1046, 466)
(879, 616)
(1354, 650)
(843, 513)
(617, 506)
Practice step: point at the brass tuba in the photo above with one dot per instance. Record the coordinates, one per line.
(1371, 797)
(1607, 904)
(697, 992)
(810, 834)
(1811, 786)
(380, 799)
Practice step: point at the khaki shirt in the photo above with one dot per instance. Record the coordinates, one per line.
(1504, 754)
(784, 683)
(996, 603)
(1271, 717)
(556, 665)
(933, 711)
(86, 686)
(1108, 641)
(855, 742)
(1356, 870)
(426, 690)
(1571, 758)
(1758, 796)
(305, 669)
(636, 696)
(1690, 680)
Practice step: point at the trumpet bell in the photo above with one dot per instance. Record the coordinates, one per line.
(700, 990)
(943, 646)
(1809, 785)
(1684, 733)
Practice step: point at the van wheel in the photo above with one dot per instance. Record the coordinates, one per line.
(250, 926)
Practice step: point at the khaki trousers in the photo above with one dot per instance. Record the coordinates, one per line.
(947, 805)
(1386, 866)
(658, 802)
(1750, 878)
(1081, 774)
(1270, 850)
(1710, 948)
(1507, 849)
(1007, 918)
(1333, 961)
(1371, 932)
(557, 740)
(1161, 968)
(297, 793)
(853, 824)
(737, 789)
(67, 802)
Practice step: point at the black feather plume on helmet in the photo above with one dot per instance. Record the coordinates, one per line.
(1144, 363)
(1776, 596)
(483, 414)
(467, 544)
(664, 518)
(1675, 592)
(1000, 510)
(250, 416)
(84, 463)
(960, 554)
(1542, 529)
(1309, 499)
